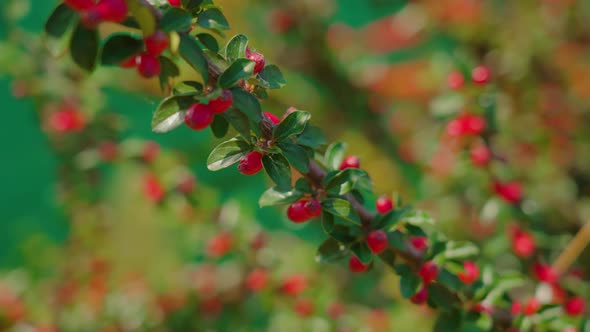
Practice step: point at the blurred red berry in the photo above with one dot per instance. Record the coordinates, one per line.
(152, 188)
(483, 308)
(222, 103)
(335, 310)
(294, 285)
(420, 297)
(112, 10)
(175, 3)
(455, 80)
(575, 306)
(198, 116)
(273, 118)
(480, 75)
(384, 204)
(516, 308)
(377, 241)
(257, 279)
(545, 273)
(186, 184)
(466, 124)
(350, 162)
(523, 243)
(150, 151)
(420, 243)
(570, 329)
(297, 212)
(469, 274)
(219, 245)
(67, 120)
(303, 307)
(156, 43)
(480, 155)
(258, 59)
(129, 63)
(251, 163)
(428, 272)
(148, 66)
(108, 151)
(211, 307)
(355, 264)
(258, 241)
(531, 307)
(79, 5)
(280, 20)
(511, 192)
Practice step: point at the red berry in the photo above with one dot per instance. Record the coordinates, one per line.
(355, 264)
(531, 307)
(251, 163)
(350, 162)
(428, 272)
(259, 241)
(515, 308)
(570, 329)
(313, 208)
(67, 120)
(377, 241)
(108, 151)
(112, 10)
(152, 188)
(384, 204)
(175, 3)
(470, 273)
(466, 124)
(211, 307)
(156, 43)
(281, 21)
(150, 151)
(420, 297)
(419, 243)
(523, 243)
(222, 103)
(186, 184)
(304, 307)
(148, 66)
(483, 308)
(480, 74)
(91, 17)
(575, 306)
(198, 116)
(545, 273)
(79, 5)
(258, 59)
(273, 118)
(257, 279)
(511, 192)
(297, 212)
(480, 155)
(129, 63)
(294, 285)
(219, 245)
(455, 80)
(335, 310)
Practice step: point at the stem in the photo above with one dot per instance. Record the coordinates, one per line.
(573, 249)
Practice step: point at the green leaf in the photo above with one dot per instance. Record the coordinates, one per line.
(220, 126)
(227, 154)
(441, 297)
(176, 19)
(209, 41)
(349, 179)
(84, 47)
(60, 21)
(271, 77)
(170, 112)
(362, 252)
(341, 208)
(335, 154)
(312, 137)
(450, 280)
(448, 322)
(239, 70)
(248, 104)
(278, 169)
(391, 218)
(460, 250)
(408, 284)
(276, 196)
(168, 70)
(236, 48)
(303, 185)
(296, 155)
(419, 218)
(191, 4)
(188, 87)
(293, 124)
(144, 16)
(331, 251)
(119, 47)
(239, 121)
(213, 19)
(191, 52)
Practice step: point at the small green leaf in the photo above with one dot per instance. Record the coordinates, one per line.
(448, 322)
(236, 48)
(239, 121)
(220, 126)
(213, 19)
(460, 250)
(248, 104)
(293, 124)
(450, 280)
(419, 218)
(391, 218)
(119, 47)
(209, 41)
(191, 52)
(176, 19)
(341, 208)
(144, 16)
(84, 47)
(60, 21)
(168, 70)
(335, 154)
(347, 180)
(271, 77)
(170, 113)
(362, 252)
(227, 154)
(278, 169)
(296, 155)
(191, 4)
(188, 87)
(303, 185)
(277, 196)
(441, 296)
(312, 137)
(331, 251)
(408, 284)
(239, 70)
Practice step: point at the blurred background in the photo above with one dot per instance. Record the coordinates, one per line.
(107, 226)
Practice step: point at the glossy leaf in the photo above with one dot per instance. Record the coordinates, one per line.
(227, 154)
(220, 126)
(293, 124)
(408, 284)
(213, 19)
(119, 47)
(170, 113)
(60, 21)
(239, 70)
(362, 252)
(176, 19)
(271, 77)
(341, 208)
(335, 154)
(276, 196)
(312, 137)
(331, 251)
(191, 52)
(84, 47)
(236, 48)
(278, 169)
(144, 17)
(209, 42)
(296, 155)
(347, 180)
(239, 121)
(248, 104)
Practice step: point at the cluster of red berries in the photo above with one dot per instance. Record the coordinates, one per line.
(200, 116)
(251, 163)
(304, 209)
(92, 13)
(479, 75)
(147, 63)
(466, 124)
